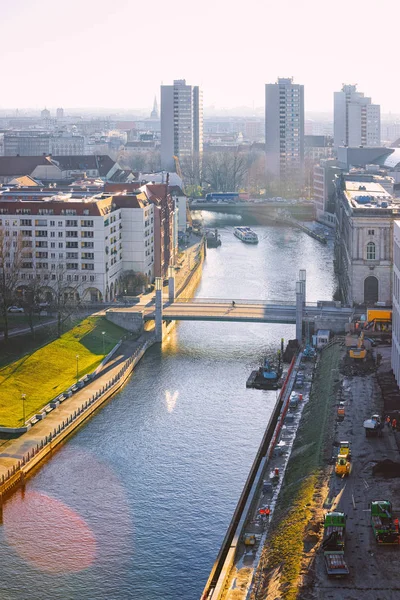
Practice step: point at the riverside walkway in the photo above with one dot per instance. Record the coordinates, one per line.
(13, 452)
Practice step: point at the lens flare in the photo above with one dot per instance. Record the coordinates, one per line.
(48, 534)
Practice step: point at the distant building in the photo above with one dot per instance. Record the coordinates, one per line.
(365, 213)
(284, 131)
(317, 147)
(33, 143)
(45, 114)
(324, 192)
(24, 143)
(59, 113)
(357, 122)
(181, 122)
(154, 113)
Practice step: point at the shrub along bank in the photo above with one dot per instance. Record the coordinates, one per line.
(285, 544)
(53, 368)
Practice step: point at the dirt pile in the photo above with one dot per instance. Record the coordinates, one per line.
(387, 468)
(390, 391)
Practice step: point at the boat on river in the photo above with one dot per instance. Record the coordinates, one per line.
(247, 235)
(213, 238)
(268, 376)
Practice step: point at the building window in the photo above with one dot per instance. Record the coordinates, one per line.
(371, 254)
(371, 231)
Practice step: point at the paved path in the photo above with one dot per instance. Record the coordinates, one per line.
(11, 451)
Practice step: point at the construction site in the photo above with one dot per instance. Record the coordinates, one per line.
(335, 529)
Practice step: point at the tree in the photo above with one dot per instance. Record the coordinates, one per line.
(133, 282)
(225, 171)
(64, 293)
(11, 257)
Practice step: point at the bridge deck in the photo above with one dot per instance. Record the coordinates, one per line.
(241, 312)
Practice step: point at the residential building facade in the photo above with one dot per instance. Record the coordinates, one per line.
(357, 122)
(79, 247)
(284, 131)
(181, 123)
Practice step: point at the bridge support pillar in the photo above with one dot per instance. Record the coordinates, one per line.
(171, 284)
(302, 278)
(299, 311)
(159, 309)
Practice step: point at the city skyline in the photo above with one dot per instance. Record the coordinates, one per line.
(84, 53)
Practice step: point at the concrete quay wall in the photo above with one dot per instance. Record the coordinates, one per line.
(217, 581)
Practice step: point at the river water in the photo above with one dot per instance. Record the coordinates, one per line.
(137, 503)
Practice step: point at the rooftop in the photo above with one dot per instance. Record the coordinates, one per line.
(369, 195)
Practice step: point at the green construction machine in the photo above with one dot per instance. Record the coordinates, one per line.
(333, 544)
(384, 526)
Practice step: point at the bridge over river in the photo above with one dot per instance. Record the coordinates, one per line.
(161, 309)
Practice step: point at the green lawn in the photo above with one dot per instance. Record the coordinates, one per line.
(50, 370)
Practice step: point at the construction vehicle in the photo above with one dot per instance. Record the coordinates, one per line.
(341, 411)
(342, 467)
(358, 352)
(385, 528)
(333, 544)
(379, 319)
(373, 426)
(345, 450)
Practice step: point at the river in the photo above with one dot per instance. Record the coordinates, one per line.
(136, 504)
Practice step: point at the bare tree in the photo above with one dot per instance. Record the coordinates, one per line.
(225, 171)
(11, 257)
(64, 294)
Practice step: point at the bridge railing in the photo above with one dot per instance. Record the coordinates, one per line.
(238, 301)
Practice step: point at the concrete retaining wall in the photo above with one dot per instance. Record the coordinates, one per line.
(131, 321)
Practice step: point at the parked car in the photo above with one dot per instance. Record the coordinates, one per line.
(15, 309)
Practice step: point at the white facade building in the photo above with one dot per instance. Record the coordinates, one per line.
(357, 122)
(284, 130)
(181, 122)
(79, 247)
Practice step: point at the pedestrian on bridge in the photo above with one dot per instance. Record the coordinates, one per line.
(394, 424)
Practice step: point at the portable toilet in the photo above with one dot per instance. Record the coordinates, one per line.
(322, 338)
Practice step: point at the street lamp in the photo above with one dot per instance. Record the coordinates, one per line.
(103, 333)
(23, 396)
(77, 367)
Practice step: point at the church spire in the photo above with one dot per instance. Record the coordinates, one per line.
(154, 112)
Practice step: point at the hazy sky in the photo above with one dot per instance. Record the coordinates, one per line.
(108, 53)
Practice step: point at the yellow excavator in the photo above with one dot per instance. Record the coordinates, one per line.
(359, 351)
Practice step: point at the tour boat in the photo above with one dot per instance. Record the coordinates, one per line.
(247, 235)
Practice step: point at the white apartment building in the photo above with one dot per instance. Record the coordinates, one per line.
(357, 122)
(284, 130)
(181, 122)
(396, 302)
(79, 247)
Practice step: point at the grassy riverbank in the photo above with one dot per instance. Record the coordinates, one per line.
(280, 564)
(49, 370)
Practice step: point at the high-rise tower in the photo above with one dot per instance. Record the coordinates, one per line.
(284, 131)
(181, 122)
(357, 122)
